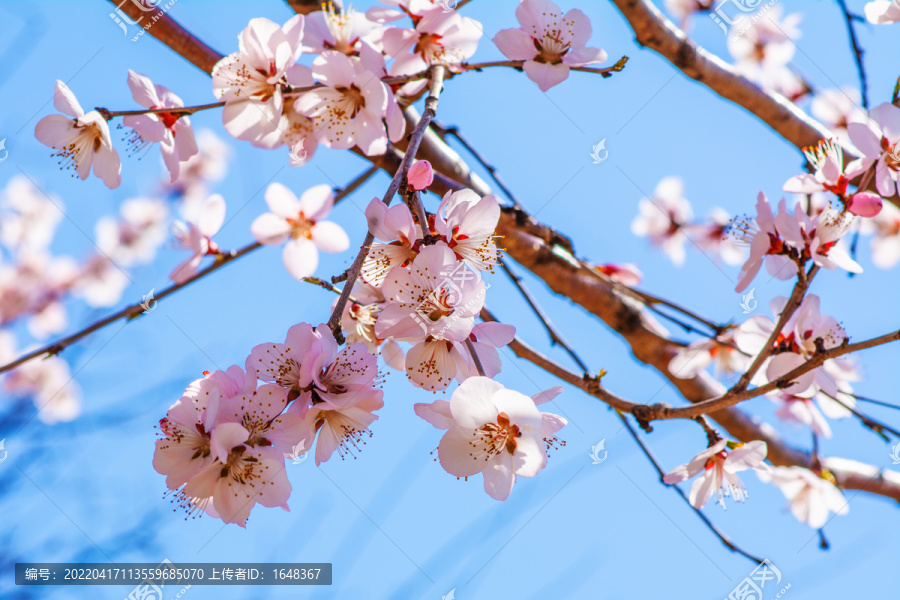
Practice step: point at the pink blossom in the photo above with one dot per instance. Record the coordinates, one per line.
(763, 52)
(171, 129)
(420, 175)
(82, 141)
(803, 410)
(494, 431)
(721, 351)
(662, 217)
(49, 383)
(710, 237)
(818, 238)
(865, 204)
(767, 243)
(626, 274)
(436, 296)
(29, 218)
(337, 403)
(207, 166)
(827, 159)
(467, 223)
(358, 323)
(100, 282)
(242, 476)
(717, 467)
(549, 42)
(285, 364)
(299, 222)
(486, 338)
(885, 228)
(184, 450)
(350, 107)
(882, 12)
(795, 345)
(341, 30)
(439, 38)
(196, 235)
(415, 9)
(134, 238)
(879, 141)
(812, 496)
(836, 109)
(252, 80)
(399, 240)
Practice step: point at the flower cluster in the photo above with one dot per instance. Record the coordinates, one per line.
(223, 443)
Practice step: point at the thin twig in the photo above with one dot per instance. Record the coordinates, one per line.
(793, 303)
(556, 337)
(876, 426)
(857, 52)
(431, 104)
(132, 311)
(734, 396)
(475, 359)
(492, 171)
(135, 310)
(726, 541)
(180, 111)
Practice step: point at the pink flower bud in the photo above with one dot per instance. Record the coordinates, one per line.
(420, 175)
(865, 204)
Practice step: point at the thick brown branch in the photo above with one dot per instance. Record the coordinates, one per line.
(654, 31)
(173, 35)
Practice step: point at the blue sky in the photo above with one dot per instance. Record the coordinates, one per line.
(392, 522)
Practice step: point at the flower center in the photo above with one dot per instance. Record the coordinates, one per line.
(301, 226)
(493, 438)
(892, 158)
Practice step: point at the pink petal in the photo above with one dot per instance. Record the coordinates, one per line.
(300, 257)
(515, 44)
(270, 229)
(142, 90)
(212, 215)
(546, 75)
(499, 477)
(330, 237)
(64, 101)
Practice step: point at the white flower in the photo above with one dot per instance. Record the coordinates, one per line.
(795, 345)
(171, 129)
(549, 42)
(663, 217)
(252, 81)
(883, 12)
(494, 431)
(196, 235)
(82, 141)
(299, 222)
(812, 496)
(718, 467)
